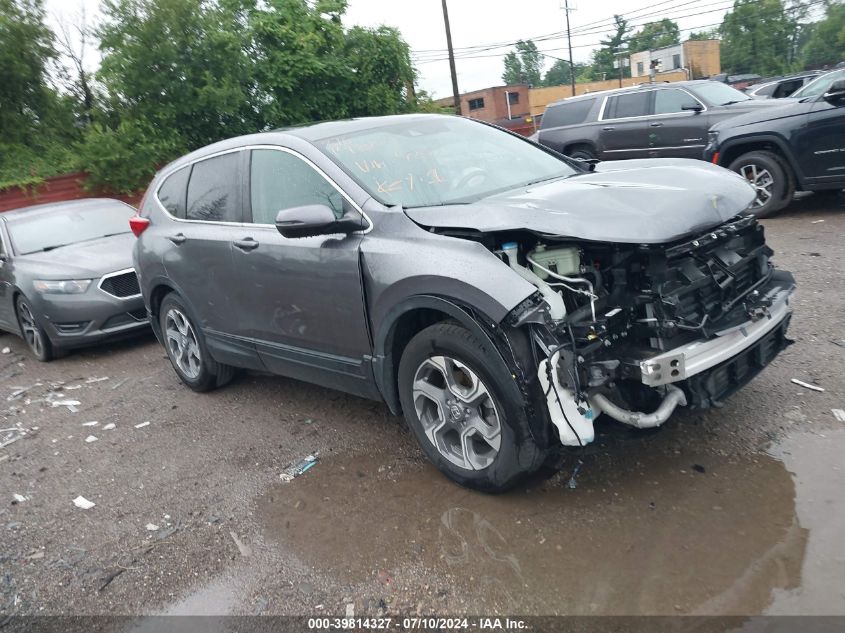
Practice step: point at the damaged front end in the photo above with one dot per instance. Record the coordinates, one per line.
(634, 331)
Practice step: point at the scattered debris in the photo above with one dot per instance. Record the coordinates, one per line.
(94, 379)
(6, 350)
(20, 498)
(19, 392)
(119, 383)
(299, 468)
(93, 423)
(699, 468)
(152, 527)
(109, 426)
(106, 581)
(840, 342)
(839, 414)
(142, 425)
(572, 484)
(70, 404)
(807, 385)
(243, 548)
(36, 555)
(90, 439)
(350, 610)
(82, 502)
(11, 435)
(816, 221)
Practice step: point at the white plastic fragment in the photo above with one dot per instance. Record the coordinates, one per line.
(303, 466)
(90, 439)
(142, 425)
(95, 379)
(807, 385)
(109, 426)
(839, 414)
(152, 527)
(82, 502)
(19, 498)
(6, 350)
(243, 548)
(92, 423)
(70, 404)
(816, 221)
(350, 609)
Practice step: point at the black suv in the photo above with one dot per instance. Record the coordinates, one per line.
(647, 121)
(800, 146)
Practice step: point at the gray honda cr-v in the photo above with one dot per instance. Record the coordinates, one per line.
(498, 294)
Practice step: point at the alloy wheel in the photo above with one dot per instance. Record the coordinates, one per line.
(457, 412)
(762, 180)
(182, 343)
(31, 331)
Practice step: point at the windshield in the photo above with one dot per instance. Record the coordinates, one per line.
(79, 223)
(440, 160)
(717, 93)
(819, 85)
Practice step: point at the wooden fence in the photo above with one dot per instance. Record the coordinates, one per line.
(56, 189)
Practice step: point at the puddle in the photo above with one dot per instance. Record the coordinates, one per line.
(643, 532)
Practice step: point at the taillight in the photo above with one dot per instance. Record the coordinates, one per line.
(138, 224)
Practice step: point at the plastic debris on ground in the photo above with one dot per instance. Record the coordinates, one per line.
(119, 383)
(92, 423)
(19, 392)
(839, 414)
(90, 439)
(301, 467)
(109, 426)
(70, 404)
(572, 484)
(11, 435)
(807, 385)
(82, 502)
(19, 498)
(6, 350)
(243, 548)
(142, 425)
(152, 527)
(95, 379)
(350, 610)
(816, 221)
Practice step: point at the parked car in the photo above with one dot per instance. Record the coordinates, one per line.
(780, 87)
(647, 121)
(740, 82)
(501, 298)
(819, 85)
(66, 276)
(800, 147)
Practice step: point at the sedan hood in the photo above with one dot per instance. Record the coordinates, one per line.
(646, 201)
(84, 260)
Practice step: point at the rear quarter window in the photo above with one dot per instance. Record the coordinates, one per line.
(571, 113)
(173, 192)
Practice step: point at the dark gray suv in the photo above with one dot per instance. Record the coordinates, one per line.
(647, 121)
(498, 294)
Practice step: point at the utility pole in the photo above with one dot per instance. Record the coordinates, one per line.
(457, 95)
(569, 39)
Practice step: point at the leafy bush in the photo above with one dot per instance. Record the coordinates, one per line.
(27, 166)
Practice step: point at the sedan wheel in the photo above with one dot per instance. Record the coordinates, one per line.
(762, 180)
(32, 333)
(182, 343)
(457, 412)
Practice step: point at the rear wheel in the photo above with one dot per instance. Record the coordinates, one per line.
(465, 409)
(186, 348)
(33, 334)
(581, 152)
(769, 177)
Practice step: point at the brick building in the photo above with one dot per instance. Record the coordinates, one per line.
(498, 104)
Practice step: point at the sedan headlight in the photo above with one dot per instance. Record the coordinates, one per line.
(62, 286)
(712, 137)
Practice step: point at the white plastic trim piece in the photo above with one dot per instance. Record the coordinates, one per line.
(575, 428)
(557, 309)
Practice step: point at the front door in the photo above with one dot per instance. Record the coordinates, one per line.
(623, 129)
(673, 131)
(820, 144)
(300, 300)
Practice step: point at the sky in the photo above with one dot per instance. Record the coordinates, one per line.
(484, 22)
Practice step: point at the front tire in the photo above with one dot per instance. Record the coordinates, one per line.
(769, 177)
(465, 409)
(582, 153)
(187, 350)
(32, 333)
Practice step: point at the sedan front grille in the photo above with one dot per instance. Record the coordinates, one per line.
(121, 284)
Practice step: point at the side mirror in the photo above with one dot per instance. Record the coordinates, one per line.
(836, 93)
(316, 219)
(695, 107)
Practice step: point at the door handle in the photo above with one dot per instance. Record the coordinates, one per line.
(608, 129)
(177, 239)
(656, 124)
(246, 244)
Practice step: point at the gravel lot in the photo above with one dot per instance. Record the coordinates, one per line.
(733, 511)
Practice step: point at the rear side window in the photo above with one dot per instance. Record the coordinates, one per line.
(173, 192)
(765, 91)
(214, 189)
(564, 113)
(669, 101)
(787, 88)
(627, 105)
(279, 180)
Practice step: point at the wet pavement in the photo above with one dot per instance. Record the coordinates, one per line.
(737, 510)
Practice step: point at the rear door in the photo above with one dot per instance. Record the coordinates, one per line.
(199, 257)
(301, 300)
(673, 131)
(623, 126)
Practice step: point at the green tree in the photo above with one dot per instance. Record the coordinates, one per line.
(602, 59)
(655, 35)
(826, 42)
(710, 34)
(523, 66)
(756, 38)
(559, 74)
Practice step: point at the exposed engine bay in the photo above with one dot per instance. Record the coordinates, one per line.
(635, 330)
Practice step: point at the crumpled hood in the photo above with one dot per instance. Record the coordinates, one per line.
(645, 201)
(85, 260)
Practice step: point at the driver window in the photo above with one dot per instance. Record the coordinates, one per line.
(279, 180)
(670, 101)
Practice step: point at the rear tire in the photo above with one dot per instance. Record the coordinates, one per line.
(32, 333)
(465, 409)
(581, 152)
(770, 177)
(187, 350)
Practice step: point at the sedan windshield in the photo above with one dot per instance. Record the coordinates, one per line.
(437, 161)
(44, 231)
(716, 93)
(819, 85)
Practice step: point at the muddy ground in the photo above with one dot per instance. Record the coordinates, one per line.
(734, 511)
